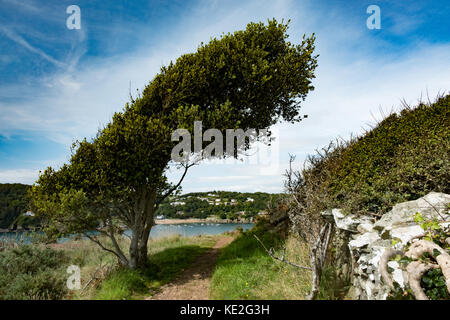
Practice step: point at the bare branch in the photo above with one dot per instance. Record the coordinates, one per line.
(171, 190)
(123, 259)
(282, 259)
(94, 275)
(443, 219)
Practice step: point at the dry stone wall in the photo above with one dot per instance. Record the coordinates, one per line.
(367, 241)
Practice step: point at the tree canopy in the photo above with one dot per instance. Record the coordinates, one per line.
(13, 203)
(249, 79)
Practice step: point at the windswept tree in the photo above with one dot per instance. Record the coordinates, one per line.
(249, 79)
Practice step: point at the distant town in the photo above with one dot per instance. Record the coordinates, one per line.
(228, 205)
(217, 205)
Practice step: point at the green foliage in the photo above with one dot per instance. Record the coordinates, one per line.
(402, 158)
(332, 287)
(236, 275)
(30, 272)
(433, 283)
(249, 79)
(256, 71)
(398, 293)
(434, 232)
(122, 285)
(198, 208)
(13, 203)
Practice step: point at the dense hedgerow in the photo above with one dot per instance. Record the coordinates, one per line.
(403, 158)
(32, 273)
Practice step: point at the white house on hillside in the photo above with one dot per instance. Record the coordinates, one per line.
(178, 203)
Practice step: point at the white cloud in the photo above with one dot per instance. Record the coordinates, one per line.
(353, 81)
(20, 40)
(25, 176)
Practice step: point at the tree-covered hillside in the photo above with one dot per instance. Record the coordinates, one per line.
(13, 203)
(222, 204)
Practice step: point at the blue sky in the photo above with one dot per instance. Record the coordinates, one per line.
(58, 85)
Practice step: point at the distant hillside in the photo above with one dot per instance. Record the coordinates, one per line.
(13, 204)
(221, 204)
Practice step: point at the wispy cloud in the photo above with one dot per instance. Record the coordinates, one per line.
(28, 6)
(356, 76)
(20, 40)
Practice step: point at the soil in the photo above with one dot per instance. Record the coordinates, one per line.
(194, 282)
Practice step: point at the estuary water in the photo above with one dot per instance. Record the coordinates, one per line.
(158, 231)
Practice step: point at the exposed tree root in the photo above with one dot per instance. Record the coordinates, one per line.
(415, 272)
(418, 248)
(383, 265)
(416, 269)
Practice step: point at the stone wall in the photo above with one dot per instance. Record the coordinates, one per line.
(360, 241)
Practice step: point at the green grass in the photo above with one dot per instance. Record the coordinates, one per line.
(168, 257)
(39, 272)
(245, 271)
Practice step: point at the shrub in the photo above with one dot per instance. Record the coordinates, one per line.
(401, 159)
(31, 272)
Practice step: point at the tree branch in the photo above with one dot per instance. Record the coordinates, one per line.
(124, 259)
(282, 259)
(171, 190)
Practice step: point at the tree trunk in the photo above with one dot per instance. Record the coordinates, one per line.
(317, 255)
(316, 275)
(140, 231)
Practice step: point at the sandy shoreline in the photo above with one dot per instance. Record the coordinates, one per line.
(164, 221)
(193, 220)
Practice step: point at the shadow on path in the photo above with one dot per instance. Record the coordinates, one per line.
(194, 282)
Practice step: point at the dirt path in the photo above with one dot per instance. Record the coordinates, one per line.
(194, 282)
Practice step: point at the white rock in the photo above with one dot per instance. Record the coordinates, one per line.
(444, 225)
(370, 241)
(370, 288)
(393, 264)
(375, 256)
(403, 213)
(363, 240)
(397, 276)
(365, 227)
(406, 234)
(347, 222)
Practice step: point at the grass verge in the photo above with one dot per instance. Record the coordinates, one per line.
(245, 271)
(168, 257)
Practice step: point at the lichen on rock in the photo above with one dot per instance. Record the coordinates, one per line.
(373, 244)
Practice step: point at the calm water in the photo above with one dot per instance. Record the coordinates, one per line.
(158, 231)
